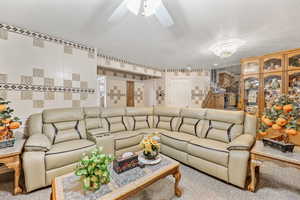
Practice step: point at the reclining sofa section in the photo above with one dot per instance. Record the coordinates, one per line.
(216, 142)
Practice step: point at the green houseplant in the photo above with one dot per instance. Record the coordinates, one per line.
(94, 169)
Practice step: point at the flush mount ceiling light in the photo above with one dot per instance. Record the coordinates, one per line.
(227, 48)
(147, 8)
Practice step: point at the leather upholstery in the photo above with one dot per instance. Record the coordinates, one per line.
(114, 119)
(176, 140)
(250, 125)
(236, 117)
(243, 142)
(38, 142)
(238, 167)
(211, 168)
(223, 151)
(126, 139)
(210, 150)
(94, 121)
(65, 153)
(139, 118)
(166, 118)
(62, 115)
(51, 174)
(35, 124)
(64, 124)
(34, 170)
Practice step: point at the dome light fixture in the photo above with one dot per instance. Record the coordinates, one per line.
(227, 48)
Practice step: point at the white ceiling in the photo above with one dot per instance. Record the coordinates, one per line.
(266, 25)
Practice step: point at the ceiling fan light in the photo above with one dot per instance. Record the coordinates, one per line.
(227, 48)
(150, 7)
(134, 6)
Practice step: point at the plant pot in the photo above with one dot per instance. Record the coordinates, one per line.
(150, 155)
(284, 147)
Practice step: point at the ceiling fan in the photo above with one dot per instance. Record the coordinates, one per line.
(147, 8)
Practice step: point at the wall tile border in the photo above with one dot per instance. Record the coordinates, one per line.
(46, 37)
(43, 88)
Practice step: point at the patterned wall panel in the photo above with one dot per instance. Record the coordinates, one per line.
(116, 93)
(39, 71)
(139, 94)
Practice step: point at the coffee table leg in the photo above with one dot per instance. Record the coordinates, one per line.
(253, 165)
(177, 176)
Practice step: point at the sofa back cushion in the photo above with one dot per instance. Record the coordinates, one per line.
(92, 118)
(223, 125)
(191, 121)
(139, 118)
(166, 118)
(63, 124)
(114, 118)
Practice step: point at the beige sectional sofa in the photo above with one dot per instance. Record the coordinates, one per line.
(214, 141)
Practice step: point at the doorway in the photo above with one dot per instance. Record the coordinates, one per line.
(130, 93)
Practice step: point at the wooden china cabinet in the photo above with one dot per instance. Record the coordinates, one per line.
(250, 82)
(267, 76)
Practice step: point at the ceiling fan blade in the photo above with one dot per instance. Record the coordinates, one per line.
(119, 12)
(163, 16)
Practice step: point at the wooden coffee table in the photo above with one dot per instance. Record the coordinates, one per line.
(122, 185)
(261, 153)
(10, 157)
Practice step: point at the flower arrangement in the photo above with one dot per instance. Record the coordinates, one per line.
(94, 169)
(283, 117)
(7, 121)
(150, 147)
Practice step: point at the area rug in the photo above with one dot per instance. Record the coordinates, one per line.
(275, 183)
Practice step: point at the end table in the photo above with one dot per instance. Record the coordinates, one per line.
(10, 157)
(261, 153)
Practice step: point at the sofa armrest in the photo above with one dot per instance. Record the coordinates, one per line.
(242, 142)
(38, 142)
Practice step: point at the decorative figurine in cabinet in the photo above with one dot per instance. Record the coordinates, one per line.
(251, 89)
(272, 64)
(293, 84)
(293, 60)
(250, 66)
(272, 87)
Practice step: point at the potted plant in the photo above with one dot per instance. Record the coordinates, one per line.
(150, 147)
(94, 169)
(7, 124)
(282, 119)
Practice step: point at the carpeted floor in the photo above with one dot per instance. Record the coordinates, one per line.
(275, 183)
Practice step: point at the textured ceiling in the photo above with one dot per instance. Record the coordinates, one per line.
(266, 25)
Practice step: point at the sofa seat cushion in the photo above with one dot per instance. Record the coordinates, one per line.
(66, 153)
(97, 131)
(210, 150)
(126, 139)
(176, 140)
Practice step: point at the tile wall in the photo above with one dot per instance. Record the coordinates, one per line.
(39, 72)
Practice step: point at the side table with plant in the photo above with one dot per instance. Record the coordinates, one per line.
(282, 119)
(7, 124)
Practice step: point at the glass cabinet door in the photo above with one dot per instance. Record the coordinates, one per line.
(272, 87)
(251, 89)
(250, 67)
(293, 84)
(273, 63)
(293, 60)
